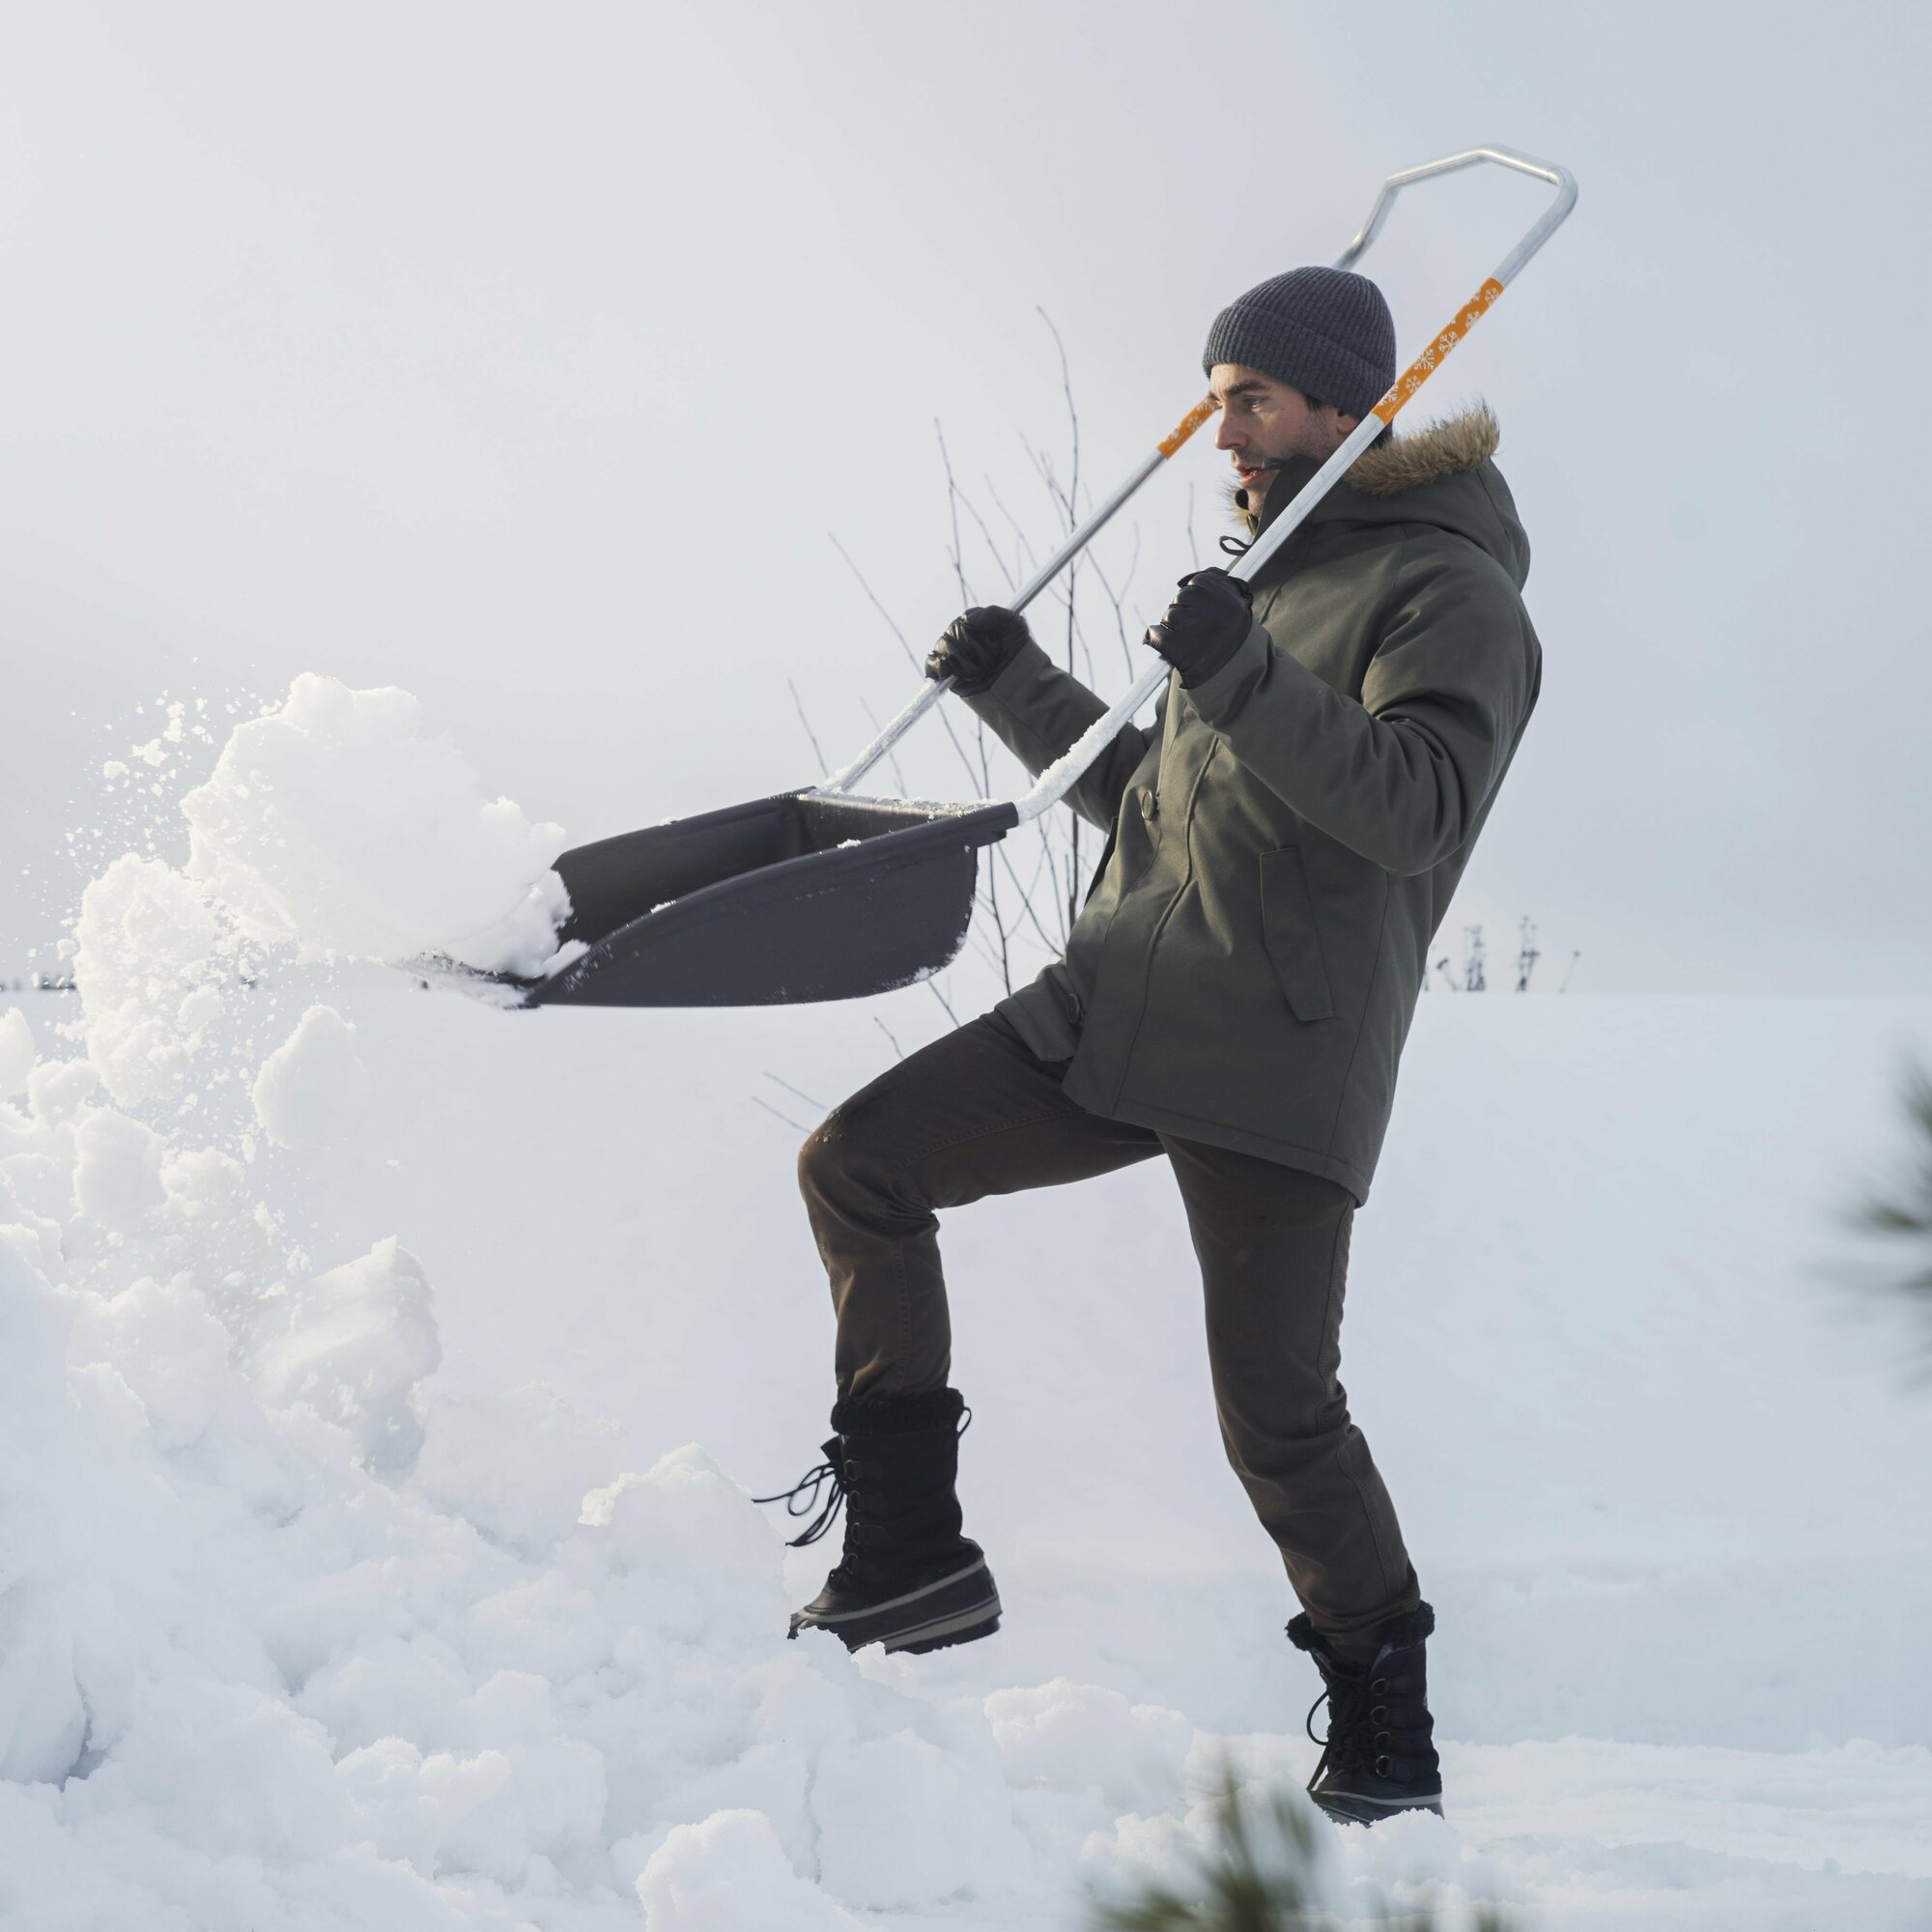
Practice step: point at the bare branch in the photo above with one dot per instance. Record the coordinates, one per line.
(983, 947)
(797, 1126)
(1023, 551)
(945, 716)
(1072, 420)
(892, 756)
(986, 535)
(1026, 903)
(952, 511)
(807, 1098)
(873, 595)
(799, 704)
(1118, 598)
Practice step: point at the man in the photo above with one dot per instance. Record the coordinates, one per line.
(1284, 844)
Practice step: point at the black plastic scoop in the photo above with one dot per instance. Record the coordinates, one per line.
(797, 897)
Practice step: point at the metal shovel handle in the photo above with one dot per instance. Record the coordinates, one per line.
(934, 688)
(1059, 778)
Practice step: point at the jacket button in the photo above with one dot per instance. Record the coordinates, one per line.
(1149, 804)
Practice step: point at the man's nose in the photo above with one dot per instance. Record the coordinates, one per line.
(1227, 435)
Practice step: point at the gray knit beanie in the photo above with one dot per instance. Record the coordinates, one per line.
(1323, 331)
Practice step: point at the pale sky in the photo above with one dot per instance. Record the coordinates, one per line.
(526, 357)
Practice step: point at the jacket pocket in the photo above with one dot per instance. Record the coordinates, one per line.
(1047, 1016)
(1290, 935)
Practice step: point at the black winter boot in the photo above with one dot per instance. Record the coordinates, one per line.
(907, 1578)
(1379, 1755)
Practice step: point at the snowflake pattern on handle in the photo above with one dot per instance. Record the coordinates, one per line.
(1187, 425)
(1424, 366)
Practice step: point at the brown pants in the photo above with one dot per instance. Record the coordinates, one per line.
(975, 1113)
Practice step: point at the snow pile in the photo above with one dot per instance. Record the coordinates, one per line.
(335, 825)
(279, 1648)
(283, 1643)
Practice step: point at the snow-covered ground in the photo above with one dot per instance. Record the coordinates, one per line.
(383, 1379)
(1662, 1480)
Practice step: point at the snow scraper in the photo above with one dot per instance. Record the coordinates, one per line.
(822, 895)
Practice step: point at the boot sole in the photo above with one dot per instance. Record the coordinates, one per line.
(1358, 1807)
(961, 1629)
(953, 1609)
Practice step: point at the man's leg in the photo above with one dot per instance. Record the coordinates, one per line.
(1273, 1244)
(970, 1115)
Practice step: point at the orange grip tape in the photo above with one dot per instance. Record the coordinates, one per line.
(1423, 367)
(1187, 425)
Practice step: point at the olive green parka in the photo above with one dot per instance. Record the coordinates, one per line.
(1285, 840)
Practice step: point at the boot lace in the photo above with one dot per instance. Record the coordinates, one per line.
(813, 1480)
(1358, 1736)
(802, 1498)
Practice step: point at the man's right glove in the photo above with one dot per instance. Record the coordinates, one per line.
(977, 646)
(1204, 626)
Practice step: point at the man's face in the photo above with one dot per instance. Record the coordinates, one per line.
(1263, 420)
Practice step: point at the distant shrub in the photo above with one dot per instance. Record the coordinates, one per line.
(1476, 962)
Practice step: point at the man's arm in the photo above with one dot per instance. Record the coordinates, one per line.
(1038, 710)
(1401, 776)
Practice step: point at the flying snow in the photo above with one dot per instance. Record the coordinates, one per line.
(337, 825)
(313, 1086)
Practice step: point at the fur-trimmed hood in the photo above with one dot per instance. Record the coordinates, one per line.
(1445, 448)
(1441, 475)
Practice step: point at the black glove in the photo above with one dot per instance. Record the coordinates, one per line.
(977, 646)
(1205, 625)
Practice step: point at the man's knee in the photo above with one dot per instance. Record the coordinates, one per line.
(839, 1161)
(821, 1160)
(852, 1168)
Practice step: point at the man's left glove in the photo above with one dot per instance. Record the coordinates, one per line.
(1205, 625)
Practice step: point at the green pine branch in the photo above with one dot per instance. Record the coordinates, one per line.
(1260, 1872)
(1901, 1221)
